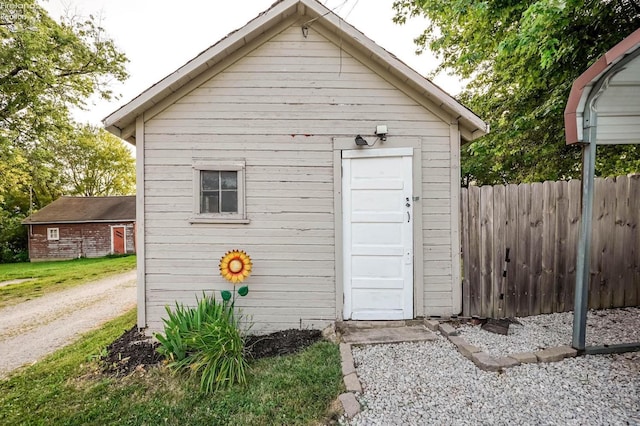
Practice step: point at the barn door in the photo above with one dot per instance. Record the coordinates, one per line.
(118, 243)
(377, 234)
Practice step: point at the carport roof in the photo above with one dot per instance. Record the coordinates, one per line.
(574, 114)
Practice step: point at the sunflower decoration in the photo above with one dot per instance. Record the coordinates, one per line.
(235, 266)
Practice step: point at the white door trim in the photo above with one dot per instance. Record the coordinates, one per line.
(381, 152)
(408, 262)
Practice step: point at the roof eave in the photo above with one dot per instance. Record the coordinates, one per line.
(59, 222)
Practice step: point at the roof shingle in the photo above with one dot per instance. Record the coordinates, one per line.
(86, 209)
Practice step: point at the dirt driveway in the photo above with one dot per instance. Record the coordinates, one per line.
(33, 329)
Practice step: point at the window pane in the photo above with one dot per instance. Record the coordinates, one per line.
(229, 202)
(210, 180)
(229, 180)
(209, 202)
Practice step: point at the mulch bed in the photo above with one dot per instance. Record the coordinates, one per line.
(133, 351)
(129, 352)
(280, 343)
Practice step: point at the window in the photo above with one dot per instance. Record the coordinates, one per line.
(53, 234)
(219, 192)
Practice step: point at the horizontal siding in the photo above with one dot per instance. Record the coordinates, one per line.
(278, 109)
(436, 220)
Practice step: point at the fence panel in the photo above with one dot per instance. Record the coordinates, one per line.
(519, 247)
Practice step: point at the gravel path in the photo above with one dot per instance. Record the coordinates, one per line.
(609, 326)
(38, 327)
(431, 383)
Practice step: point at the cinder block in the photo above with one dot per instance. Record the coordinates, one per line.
(447, 329)
(486, 362)
(345, 350)
(467, 350)
(352, 383)
(507, 362)
(348, 365)
(556, 354)
(456, 340)
(525, 357)
(431, 324)
(350, 404)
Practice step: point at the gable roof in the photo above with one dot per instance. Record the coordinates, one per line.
(122, 122)
(86, 210)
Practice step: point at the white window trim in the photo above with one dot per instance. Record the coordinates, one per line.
(215, 165)
(51, 231)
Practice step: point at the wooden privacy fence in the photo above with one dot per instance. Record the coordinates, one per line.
(519, 246)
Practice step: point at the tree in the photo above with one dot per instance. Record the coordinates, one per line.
(521, 58)
(96, 163)
(46, 68)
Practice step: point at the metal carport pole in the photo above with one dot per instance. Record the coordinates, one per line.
(583, 266)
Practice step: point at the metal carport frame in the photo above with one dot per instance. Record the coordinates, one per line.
(594, 99)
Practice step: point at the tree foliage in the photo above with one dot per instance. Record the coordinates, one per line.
(46, 68)
(95, 163)
(520, 59)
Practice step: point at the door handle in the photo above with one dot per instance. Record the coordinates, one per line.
(408, 217)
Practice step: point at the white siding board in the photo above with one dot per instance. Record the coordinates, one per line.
(230, 233)
(264, 220)
(227, 243)
(272, 271)
(184, 109)
(264, 297)
(315, 127)
(167, 253)
(290, 313)
(198, 279)
(278, 93)
(166, 149)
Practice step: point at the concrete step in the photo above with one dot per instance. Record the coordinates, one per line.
(392, 334)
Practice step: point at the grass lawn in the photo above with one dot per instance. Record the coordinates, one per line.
(65, 388)
(47, 277)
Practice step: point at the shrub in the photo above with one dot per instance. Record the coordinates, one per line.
(205, 340)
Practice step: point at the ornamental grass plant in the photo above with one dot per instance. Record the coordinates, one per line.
(205, 340)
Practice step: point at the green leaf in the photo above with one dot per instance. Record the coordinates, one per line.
(226, 295)
(520, 59)
(243, 291)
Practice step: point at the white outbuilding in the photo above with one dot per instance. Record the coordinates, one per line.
(329, 161)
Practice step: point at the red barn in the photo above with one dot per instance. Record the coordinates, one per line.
(73, 227)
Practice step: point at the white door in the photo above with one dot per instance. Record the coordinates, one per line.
(377, 208)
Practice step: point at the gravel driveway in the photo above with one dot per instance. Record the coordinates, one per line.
(38, 327)
(431, 383)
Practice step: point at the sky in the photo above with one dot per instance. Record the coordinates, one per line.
(160, 36)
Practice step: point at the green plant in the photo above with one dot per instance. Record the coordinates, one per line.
(205, 340)
(218, 355)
